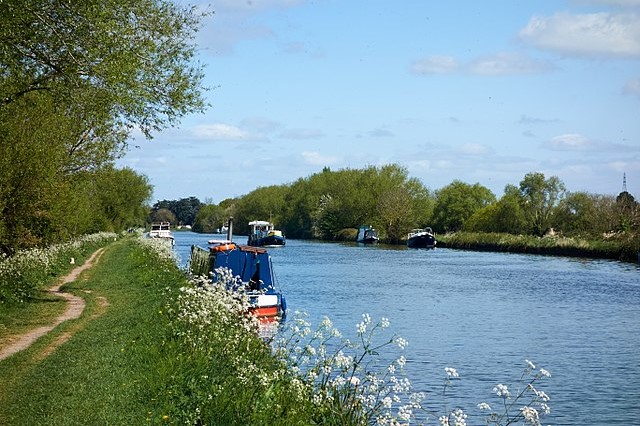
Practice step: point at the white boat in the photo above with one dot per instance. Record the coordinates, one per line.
(161, 230)
(263, 234)
(421, 238)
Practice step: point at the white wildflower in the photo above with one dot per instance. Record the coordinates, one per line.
(384, 322)
(530, 415)
(402, 343)
(451, 372)
(459, 417)
(484, 406)
(387, 402)
(401, 361)
(502, 391)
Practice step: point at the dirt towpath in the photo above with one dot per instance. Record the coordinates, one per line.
(75, 307)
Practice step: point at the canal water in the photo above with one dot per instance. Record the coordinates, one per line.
(483, 314)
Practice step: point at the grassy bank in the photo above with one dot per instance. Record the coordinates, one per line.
(103, 372)
(625, 249)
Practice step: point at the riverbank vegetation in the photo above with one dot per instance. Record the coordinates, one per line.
(153, 347)
(25, 274)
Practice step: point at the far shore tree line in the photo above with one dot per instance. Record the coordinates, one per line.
(329, 205)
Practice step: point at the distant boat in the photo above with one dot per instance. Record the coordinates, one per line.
(161, 230)
(263, 234)
(252, 266)
(421, 238)
(367, 235)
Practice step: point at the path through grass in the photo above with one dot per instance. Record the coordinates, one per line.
(103, 373)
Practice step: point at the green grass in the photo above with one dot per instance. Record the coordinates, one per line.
(41, 310)
(102, 374)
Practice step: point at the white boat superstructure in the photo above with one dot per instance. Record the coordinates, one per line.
(161, 230)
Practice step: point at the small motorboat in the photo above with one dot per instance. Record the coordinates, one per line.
(421, 238)
(161, 230)
(367, 235)
(264, 234)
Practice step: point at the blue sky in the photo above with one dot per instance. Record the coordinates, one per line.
(479, 91)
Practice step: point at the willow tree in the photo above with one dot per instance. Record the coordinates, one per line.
(539, 197)
(93, 71)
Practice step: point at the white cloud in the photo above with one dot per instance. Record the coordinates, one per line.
(260, 125)
(497, 64)
(317, 159)
(219, 132)
(231, 23)
(528, 120)
(588, 34)
(435, 65)
(570, 142)
(507, 64)
(419, 164)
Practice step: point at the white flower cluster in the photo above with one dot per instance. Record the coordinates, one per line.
(343, 369)
(27, 270)
(159, 247)
(202, 310)
(526, 405)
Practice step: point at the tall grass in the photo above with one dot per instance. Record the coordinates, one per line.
(621, 248)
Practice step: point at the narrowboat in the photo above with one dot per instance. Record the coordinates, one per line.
(252, 267)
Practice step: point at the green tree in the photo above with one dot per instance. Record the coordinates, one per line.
(163, 215)
(577, 214)
(403, 203)
(264, 203)
(184, 209)
(132, 61)
(627, 209)
(209, 219)
(76, 79)
(505, 215)
(31, 156)
(457, 202)
(539, 197)
(121, 197)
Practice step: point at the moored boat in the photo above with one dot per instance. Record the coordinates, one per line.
(264, 234)
(250, 266)
(161, 230)
(421, 238)
(367, 235)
